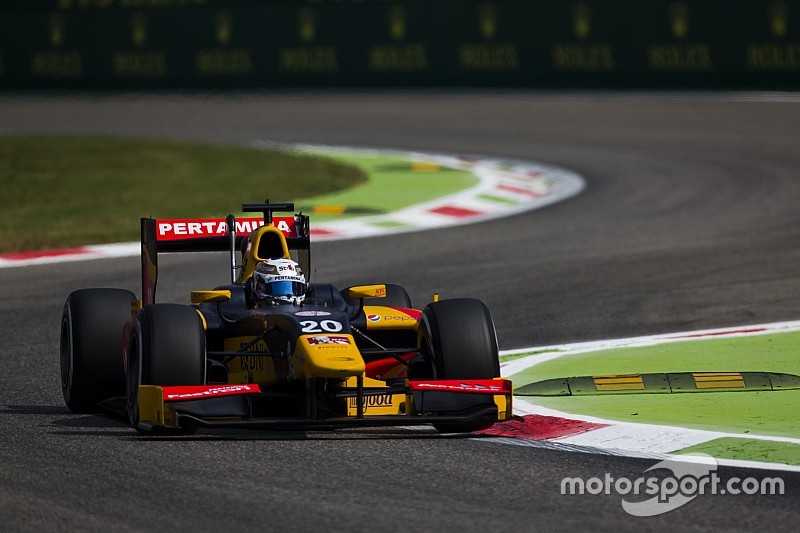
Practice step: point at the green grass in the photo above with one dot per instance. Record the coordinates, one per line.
(764, 413)
(62, 191)
(748, 449)
(759, 413)
(392, 185)
(758, 353)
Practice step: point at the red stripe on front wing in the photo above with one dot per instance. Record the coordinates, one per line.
(472, 386)
(377, 368)
(197, 392)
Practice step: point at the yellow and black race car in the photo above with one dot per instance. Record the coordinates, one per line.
(246, 354)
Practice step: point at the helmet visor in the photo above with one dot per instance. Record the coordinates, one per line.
(284, 288)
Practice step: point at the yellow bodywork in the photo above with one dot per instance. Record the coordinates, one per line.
(327, 356)
(201, 297)
(136, 306)
(315, 356)
(248, 368)
(383, 318)
(381, 404)
(251, 257)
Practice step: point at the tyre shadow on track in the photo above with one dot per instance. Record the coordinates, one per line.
(110, 425)
(255, 435)
(34, 410)
(61, 417)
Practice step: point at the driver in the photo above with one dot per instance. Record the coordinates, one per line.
(278, 281)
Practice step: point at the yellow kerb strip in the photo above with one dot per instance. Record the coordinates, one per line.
(329, 209)
(718, 380)
(424, 167)
(621, 382)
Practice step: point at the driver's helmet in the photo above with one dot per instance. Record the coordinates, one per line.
(278, 281)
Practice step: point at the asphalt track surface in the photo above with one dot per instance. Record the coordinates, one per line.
(689, 221)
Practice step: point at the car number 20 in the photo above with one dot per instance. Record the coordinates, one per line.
(329, 326)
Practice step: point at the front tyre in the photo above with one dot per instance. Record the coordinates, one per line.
(457, 340)
(92, 366)
(168, 348)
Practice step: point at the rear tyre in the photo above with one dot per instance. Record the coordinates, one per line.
(167, 347)
(92, 366)
(457, 340)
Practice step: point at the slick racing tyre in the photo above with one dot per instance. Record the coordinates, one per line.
(167, 347)
(92, 366)
(457, 341)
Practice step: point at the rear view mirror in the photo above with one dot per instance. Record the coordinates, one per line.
(366, 291)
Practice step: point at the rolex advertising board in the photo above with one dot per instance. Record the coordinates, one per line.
(118, 44)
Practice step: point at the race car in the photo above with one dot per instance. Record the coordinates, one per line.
(307, 356)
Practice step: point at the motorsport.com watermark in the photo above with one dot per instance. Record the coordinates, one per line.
(692, 475)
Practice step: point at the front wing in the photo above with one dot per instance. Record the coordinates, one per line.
(416, 403)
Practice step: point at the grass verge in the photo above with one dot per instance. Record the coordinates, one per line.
(758, 413)
(775, 352)
(393, 184)
(748, 450)
(63, 191)
(763, 413)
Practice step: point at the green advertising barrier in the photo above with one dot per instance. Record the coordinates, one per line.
(407, 43)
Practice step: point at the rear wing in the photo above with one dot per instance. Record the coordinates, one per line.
(217, 235)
